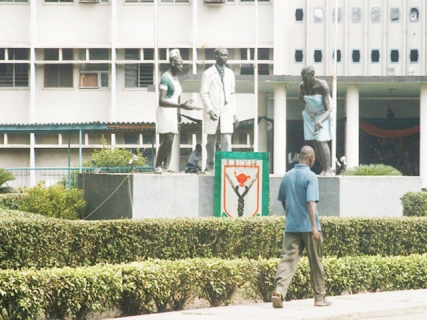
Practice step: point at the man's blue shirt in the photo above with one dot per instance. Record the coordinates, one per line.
(299, 186)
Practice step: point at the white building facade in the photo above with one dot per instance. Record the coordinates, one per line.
(86, 61)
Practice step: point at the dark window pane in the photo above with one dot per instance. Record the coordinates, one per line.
(148, 54)
(131, 54)
(299, 55)
(99, 54)
(318, 56)
(58, 75)
(394, 55)
(263, 54)
(146, 74)
(414, 55)
(67, 54)
(375, 55)
(51, 54)
(356, 56)
(131, 75)
(299, 14)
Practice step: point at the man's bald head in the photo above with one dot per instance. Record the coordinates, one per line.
(307, 156)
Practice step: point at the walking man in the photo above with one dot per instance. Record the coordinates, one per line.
(299, 194)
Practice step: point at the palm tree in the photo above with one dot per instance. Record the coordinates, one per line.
(5, 176)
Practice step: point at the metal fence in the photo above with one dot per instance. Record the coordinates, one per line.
(29, 177)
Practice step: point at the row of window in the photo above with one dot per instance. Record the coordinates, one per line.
(126, 1)
(356, 15)
(94, 65)
(356, 56)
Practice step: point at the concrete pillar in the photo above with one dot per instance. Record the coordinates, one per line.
(279, 147)
(352, 126)
(262, 126)
(423, 134)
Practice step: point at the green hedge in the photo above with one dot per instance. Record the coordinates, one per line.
(161, 285)
(414, 204)
(46, 243)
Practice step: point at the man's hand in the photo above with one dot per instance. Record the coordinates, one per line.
(213, 115)
(315, 234)
(236, 122)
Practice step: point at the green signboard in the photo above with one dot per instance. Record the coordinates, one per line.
(241, 184)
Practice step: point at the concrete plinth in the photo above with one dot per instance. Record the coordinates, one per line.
(137, 196)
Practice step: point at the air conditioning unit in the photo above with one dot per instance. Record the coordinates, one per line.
(215, 1)
(89, 1)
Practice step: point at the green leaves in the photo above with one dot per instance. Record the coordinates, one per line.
(414, 204)
(372, 170)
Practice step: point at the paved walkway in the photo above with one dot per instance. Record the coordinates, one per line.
(410, 304)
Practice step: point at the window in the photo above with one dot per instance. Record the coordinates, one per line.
(413, 55)
(163, 1)
(318, 15)
(14, 0)
(414, 15)
(249, 54)
(299, 15)
(375, 56)
(338, 55)
(394, 14)
(375, 15)
(14, 74)
(356, 15)
(299, 55)
(94, 75)
(356, 56)
(318, 55)
(139, 75)
(394, 56)
(58, 75)
(58, 0)
(339, 15)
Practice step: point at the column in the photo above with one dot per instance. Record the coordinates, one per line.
(262, 125)
(279, 147)
(423, 134)
(352, 126)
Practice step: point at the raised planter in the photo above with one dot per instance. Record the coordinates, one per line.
(113, 196)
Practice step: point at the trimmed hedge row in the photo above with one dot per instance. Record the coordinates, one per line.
(47, 243)
(162, 285)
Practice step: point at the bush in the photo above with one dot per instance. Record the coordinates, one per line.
(161, 285)
(85, 243)
(12, 200)
(55, 201)
(115, 157)
(373, 170)
(414, 204)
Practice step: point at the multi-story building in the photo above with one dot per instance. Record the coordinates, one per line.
(71, 70)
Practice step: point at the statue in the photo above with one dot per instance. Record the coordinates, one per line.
(217, 93)
(167, 111)
(317, 121)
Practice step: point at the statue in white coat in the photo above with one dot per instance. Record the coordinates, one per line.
(217, 93)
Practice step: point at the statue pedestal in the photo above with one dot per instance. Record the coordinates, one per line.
(137, 196)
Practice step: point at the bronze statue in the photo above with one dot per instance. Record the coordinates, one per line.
(217, 93)
(167, 115)
(314, 93)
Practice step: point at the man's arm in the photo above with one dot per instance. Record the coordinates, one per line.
(301, 92)
(311, 207)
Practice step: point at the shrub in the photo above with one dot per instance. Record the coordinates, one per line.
(156, 285)
(373, 170)
(5, 176)
(12, 200)
(55, 201)
(115, 157)
(414, 204)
